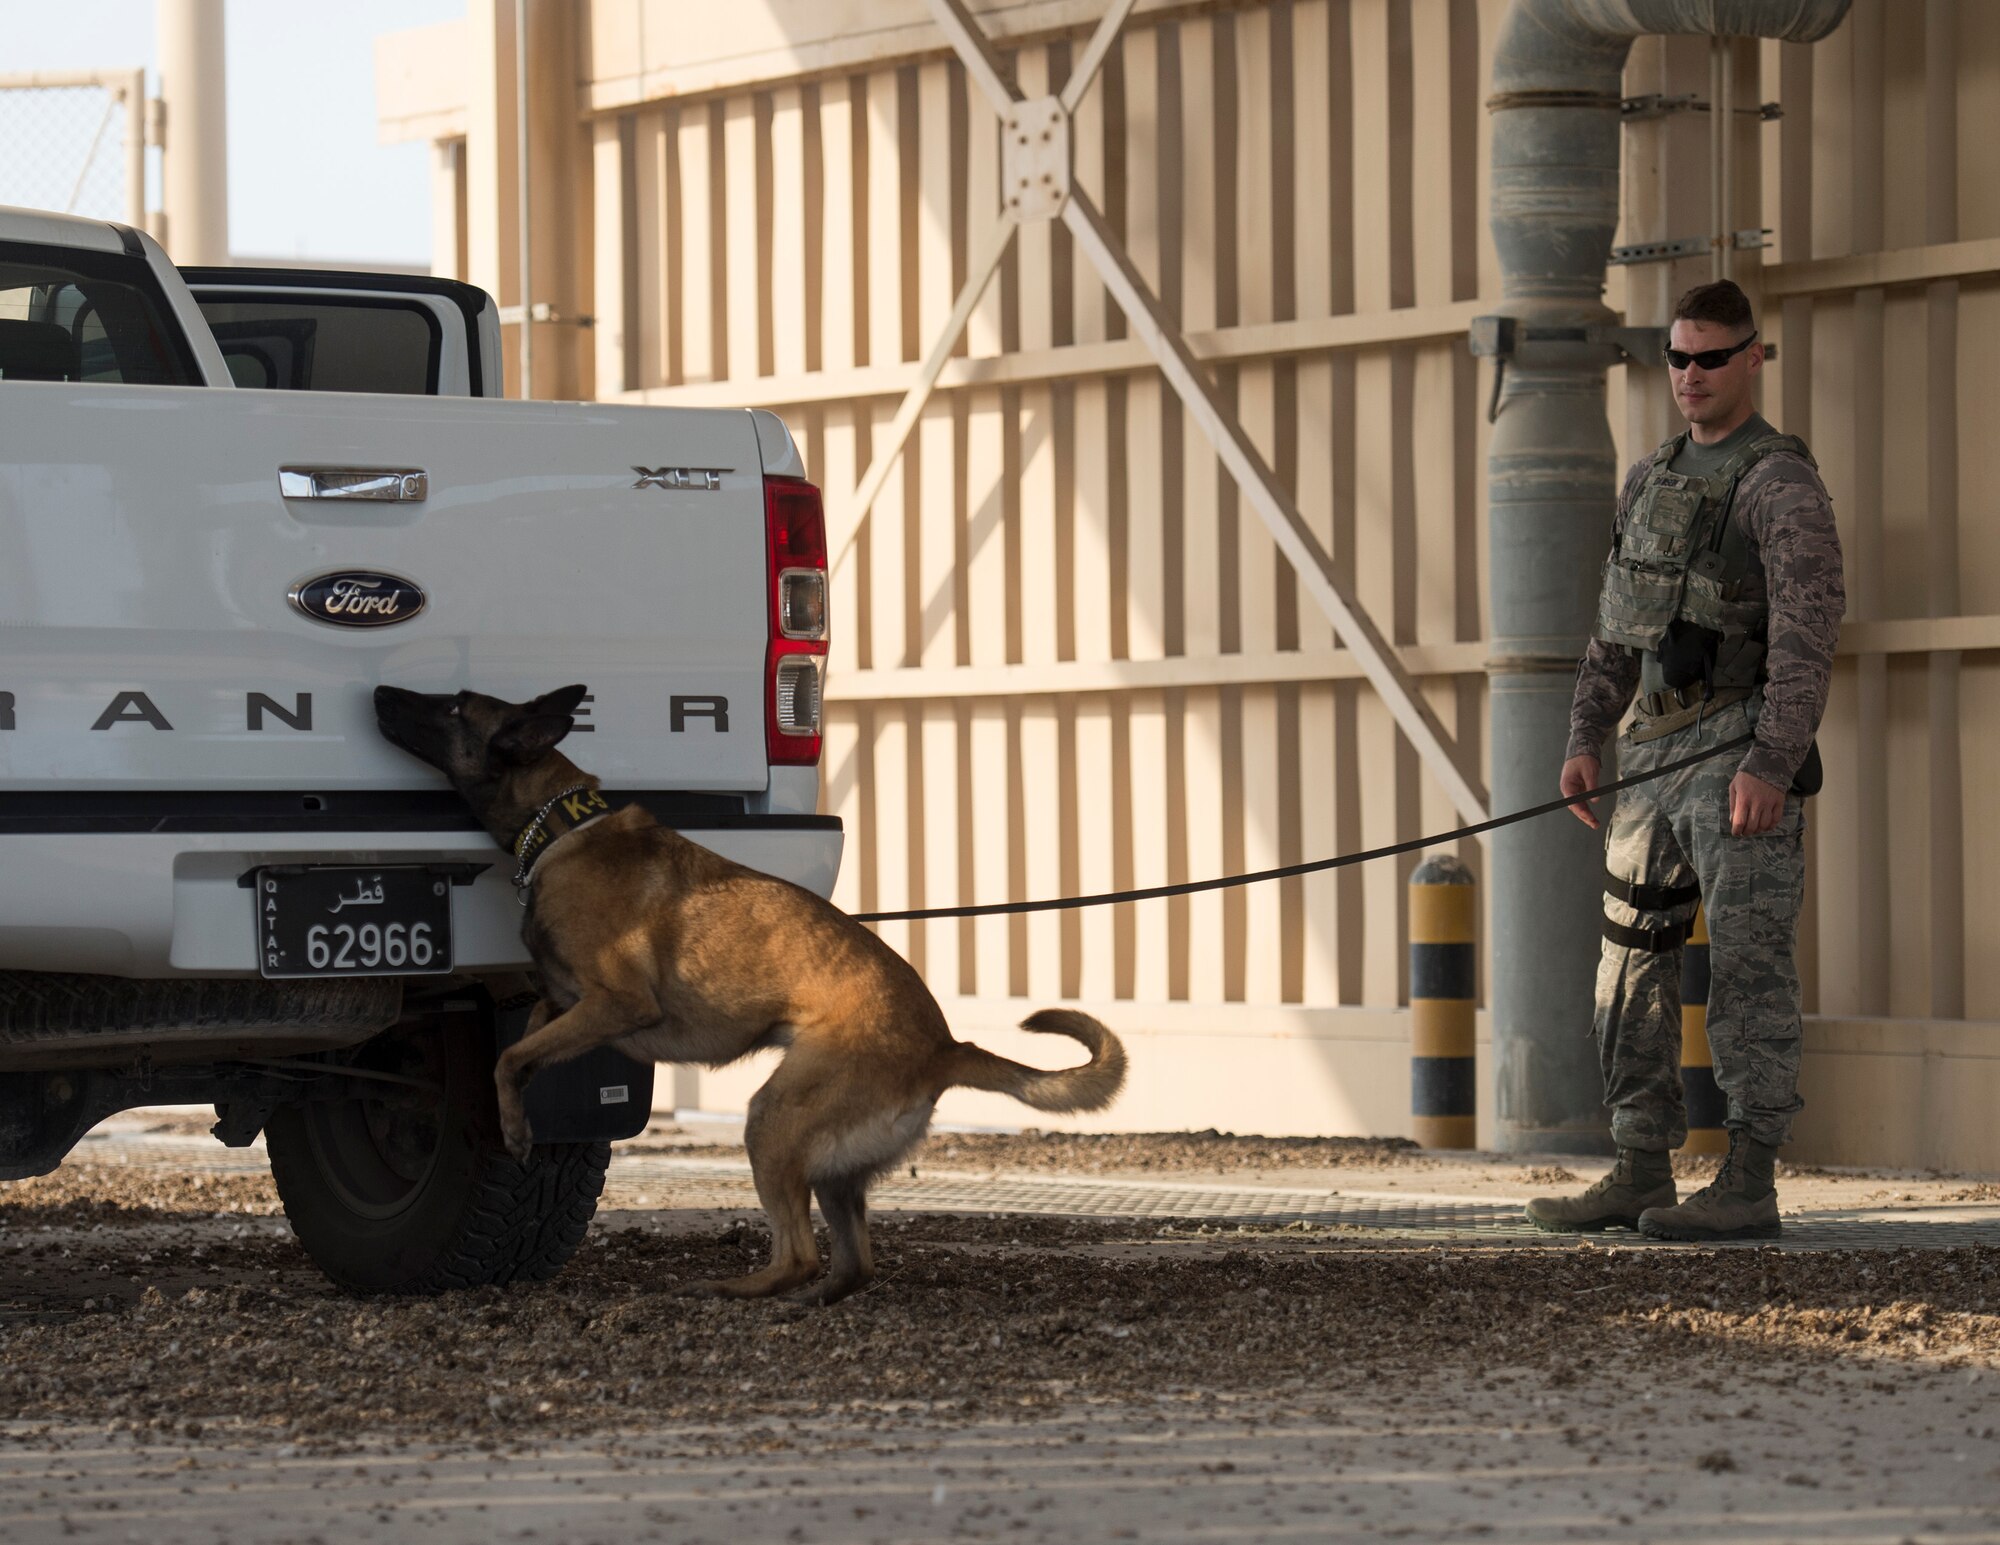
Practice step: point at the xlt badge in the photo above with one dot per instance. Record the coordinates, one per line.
(704, 479)
(358, 598)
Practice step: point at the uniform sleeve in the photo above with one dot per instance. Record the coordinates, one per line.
(1791, 520)
(1606, 678)
(1608, 674)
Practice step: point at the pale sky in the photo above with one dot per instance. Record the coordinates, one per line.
(306, 176)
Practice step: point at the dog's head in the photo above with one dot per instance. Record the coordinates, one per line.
(474, 740)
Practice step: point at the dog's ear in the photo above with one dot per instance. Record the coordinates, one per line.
(529, 736)
(527, 739)
(538, 727)
(564, 701)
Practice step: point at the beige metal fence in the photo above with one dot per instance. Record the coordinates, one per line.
(1068, 657)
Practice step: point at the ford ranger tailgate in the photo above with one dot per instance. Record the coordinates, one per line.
(192, 596)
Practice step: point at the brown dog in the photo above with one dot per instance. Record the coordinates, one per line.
(649, 942)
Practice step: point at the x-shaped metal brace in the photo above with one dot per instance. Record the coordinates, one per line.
(1036, 184)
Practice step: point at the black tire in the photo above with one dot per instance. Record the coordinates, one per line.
(412, 1192)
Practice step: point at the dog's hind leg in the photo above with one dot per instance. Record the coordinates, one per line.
(778, 1166)
(843, 1202)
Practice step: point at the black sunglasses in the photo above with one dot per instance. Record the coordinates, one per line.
(1708, 359)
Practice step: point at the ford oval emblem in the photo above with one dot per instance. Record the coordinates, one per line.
(358, 598)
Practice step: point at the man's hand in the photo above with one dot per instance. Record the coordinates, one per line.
(1579, 776)
(1754, 805)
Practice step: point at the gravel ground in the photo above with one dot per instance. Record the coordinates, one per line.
(1883, 1455)
(164, 1299)
(168, 1354)
(82, 1195)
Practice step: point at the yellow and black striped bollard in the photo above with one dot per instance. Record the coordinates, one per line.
(1444, 911)
(1706, 1106)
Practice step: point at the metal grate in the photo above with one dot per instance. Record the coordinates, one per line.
(1429, 1218)
(1351, 1218)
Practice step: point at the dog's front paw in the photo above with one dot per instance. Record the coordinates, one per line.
(513, 1111)
(515, 1135)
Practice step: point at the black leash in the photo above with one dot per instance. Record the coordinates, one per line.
(1189, 887)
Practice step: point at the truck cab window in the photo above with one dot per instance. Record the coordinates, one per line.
(326, 343)
(79, 316)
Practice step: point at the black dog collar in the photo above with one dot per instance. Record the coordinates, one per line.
(573, 807)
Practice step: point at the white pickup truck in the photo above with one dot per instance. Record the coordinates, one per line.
(232, 503)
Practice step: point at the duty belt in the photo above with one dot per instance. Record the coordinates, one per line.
(1675, 708)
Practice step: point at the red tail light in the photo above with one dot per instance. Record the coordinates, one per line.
(796, 600)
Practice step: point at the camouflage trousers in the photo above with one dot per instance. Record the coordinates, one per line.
(1671, 834)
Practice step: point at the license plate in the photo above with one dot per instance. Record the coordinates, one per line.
(353, 922)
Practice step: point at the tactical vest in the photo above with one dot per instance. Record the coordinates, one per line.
(1681, 558)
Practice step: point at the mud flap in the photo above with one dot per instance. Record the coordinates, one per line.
(599, 1097)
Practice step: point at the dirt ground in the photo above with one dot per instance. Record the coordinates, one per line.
(171, 1367)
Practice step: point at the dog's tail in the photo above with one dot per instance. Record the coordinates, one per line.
(1090, 1087)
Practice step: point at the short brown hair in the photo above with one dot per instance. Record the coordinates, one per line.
(1721, 302)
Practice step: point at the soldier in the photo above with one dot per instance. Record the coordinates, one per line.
(1720, 608)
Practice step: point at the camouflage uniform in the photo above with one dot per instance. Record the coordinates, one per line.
(1673, 834)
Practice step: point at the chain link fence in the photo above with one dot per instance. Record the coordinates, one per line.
(75, 143)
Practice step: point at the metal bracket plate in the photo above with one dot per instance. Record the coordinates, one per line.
(1659, 105)
(1499, 338)
(1493, 337)
(1635, 345)
(1034, 158)
(1747, 240)
(1660, 251)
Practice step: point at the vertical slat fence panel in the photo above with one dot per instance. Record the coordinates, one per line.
(1306, 159)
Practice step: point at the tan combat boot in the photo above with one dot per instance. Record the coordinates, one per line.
(1637, 1181)
(1740, 1203)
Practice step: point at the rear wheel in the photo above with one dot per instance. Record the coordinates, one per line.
(410, 1191)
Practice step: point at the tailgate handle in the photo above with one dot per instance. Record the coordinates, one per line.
(371, 483)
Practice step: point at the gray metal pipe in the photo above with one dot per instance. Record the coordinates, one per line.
(1558, 72)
